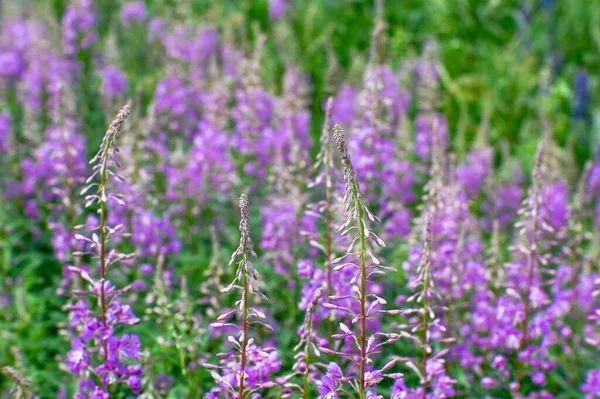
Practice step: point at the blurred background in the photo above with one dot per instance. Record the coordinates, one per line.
(503, 62)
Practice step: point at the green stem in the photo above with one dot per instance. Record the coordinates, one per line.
(244, 326)
(103, 198)
(307, 359)
(363, 291)
(328, 241)
(425, 328)
(328, 222)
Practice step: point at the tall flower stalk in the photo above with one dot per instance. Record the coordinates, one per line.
(308, 336)
(324, 166)
(108, 152)
(424, 281)
(428, 364)
(530, 272)
(113, 359)
(305, 366)
(245, 281)
(245, 249)
(431, 373)
(357, 214)
(21, 387)
(533, 213)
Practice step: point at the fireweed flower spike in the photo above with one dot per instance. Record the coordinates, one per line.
(573, 249)
(236, 379)
(21, 387)
(532, 214)
(324, 166)
(430, 366)
(112, 359)
(425, 282)
(304, 348)
(368, 266)
(212, 285)
(528, 275)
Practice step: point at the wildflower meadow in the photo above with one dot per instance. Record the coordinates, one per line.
(324, 199)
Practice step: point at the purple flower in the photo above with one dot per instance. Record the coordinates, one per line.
(371, 394)
(555, 203)
(42, 80)
(130, 346)
(499, 362)
(373, 377)
(5, 132)
(334, 372)
(80, 313)
(283, 227)
(133, 11)
(327, 388)
(430, 128)
(581, 98)
(344, 104)
(121, 314)
(591, 386)
(134, 383)
(79, 26)
(207, 43)
(400, 390)
(305, 268)
(487, 382)
(473, 173)
(156, 29)
(175, 106)
(597, 217)
(114, 82)
(99, 393)
(77, 358)
(276, 9)
(153, 235)
(539, 378)
(146, 268)
(11, 64)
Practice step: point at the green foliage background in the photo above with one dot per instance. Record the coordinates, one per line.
(507, 59)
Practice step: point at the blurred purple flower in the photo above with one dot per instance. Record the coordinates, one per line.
(11, 64)
(79, 26)
(276, 9)
(114, 83)
(5, 132)
(591, 386)
(133, 12)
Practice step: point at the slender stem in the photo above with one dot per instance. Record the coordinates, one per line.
(103, 199)
(244, 326)
(425, 277)
(328, 238)
(307, 359)
(363, 291)
(5, 258)
(328, 222)
(531, 262)
(425, 338)
(531, 266)
(103, 261)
